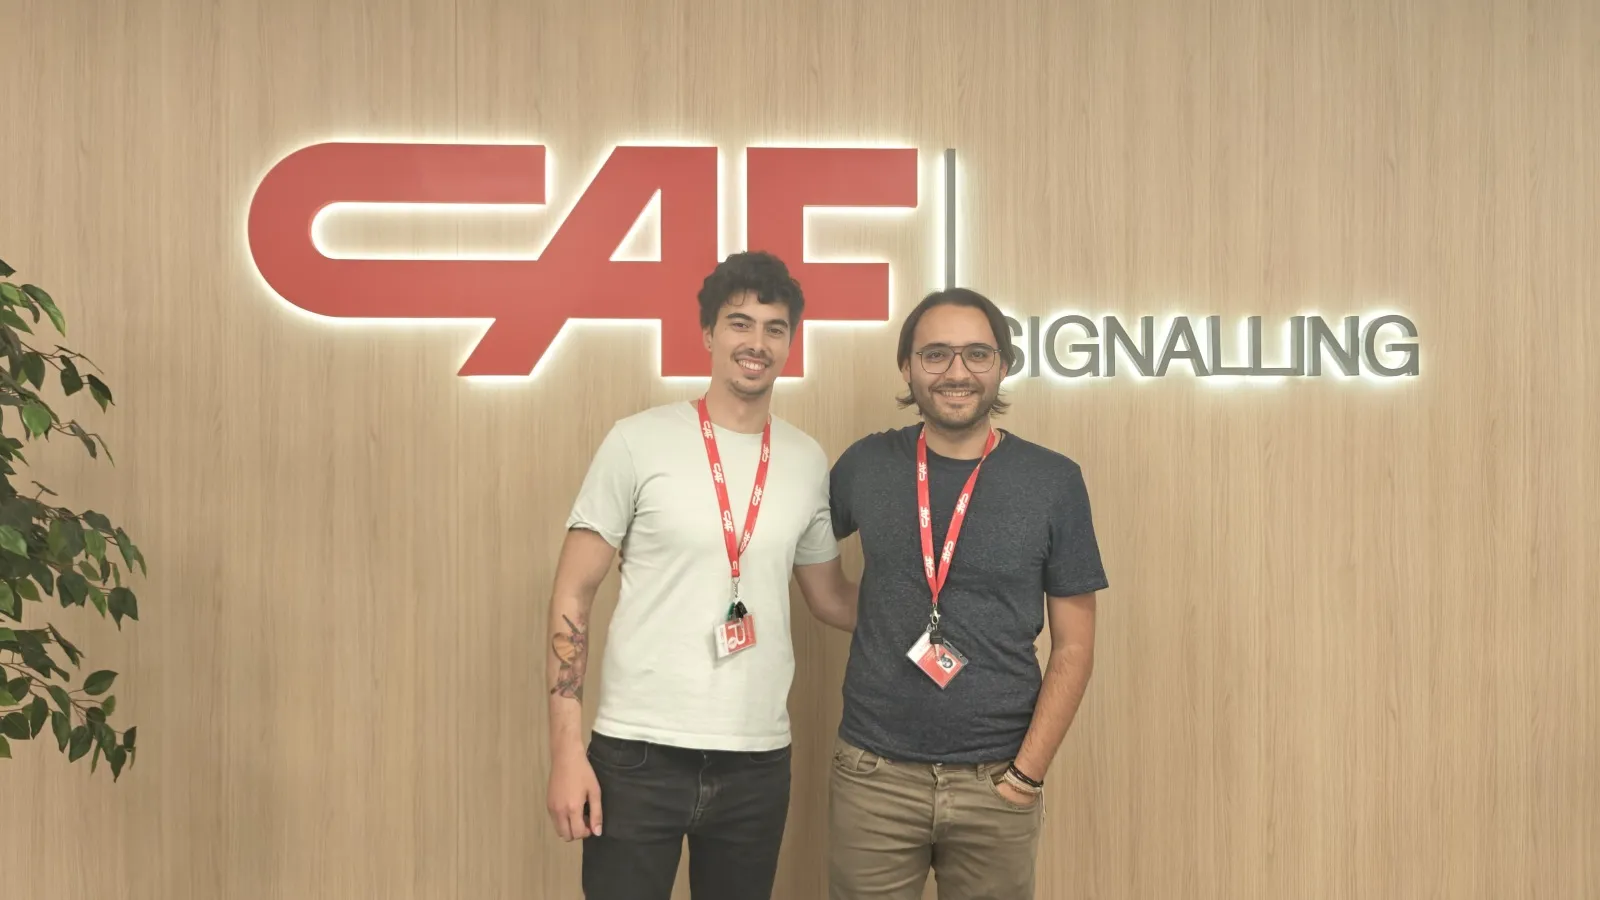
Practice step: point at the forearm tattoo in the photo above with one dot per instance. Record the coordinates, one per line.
(571, 648)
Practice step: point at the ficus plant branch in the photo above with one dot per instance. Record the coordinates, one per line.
(78, 558)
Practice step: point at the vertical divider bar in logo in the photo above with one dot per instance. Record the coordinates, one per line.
(949, 217)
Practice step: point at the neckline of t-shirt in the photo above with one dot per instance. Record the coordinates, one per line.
(937, 459)
(728, 433)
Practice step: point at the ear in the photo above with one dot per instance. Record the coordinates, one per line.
(905, 373)
(705, 335)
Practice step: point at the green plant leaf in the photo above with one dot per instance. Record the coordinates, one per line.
(8, 601)
(5, 697)
(7, 635)
(37, 713)
(63, 729)
(12, 541)
(73, 653)
(10, 317)
(101, 393)
(15, 726)
(124, 604)
(99, 682)
(49, 304)
(120, 600)
(96, 520)
(95, 543)
(5, 270)
(19, 688)
(127, 737)
(130, 553)
(63, 702)
(78, 743)
(74, 589)
(42, 574)
(28, 589)
(5, 748)
(36, 417)
(74, 531)
(56, 540)
(110, 705)
(98, 598)
(71, 381)
(86, 438)
(33, 368)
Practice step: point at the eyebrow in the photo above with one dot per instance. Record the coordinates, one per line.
(748, 318)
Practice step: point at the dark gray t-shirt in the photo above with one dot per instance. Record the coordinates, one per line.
(1028, 533)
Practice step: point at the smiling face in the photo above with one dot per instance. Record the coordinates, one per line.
(954, 370)
(749, 344)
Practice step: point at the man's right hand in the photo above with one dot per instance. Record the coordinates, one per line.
(572, 788)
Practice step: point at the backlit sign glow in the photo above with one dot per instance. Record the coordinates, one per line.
(587, 273)
(530, 300)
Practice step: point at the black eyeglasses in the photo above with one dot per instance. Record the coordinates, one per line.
(978, 358)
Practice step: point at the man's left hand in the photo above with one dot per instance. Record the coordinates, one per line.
(1014, 796)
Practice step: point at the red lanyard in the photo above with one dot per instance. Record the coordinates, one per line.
(735, 550)
(925, 517)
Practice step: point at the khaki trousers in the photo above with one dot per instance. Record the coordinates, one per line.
(890, 822)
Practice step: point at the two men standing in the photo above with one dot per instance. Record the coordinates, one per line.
(973, 539)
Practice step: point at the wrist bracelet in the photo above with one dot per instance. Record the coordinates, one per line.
(1012, 778)
(1013, 770)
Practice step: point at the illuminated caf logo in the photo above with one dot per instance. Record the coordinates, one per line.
(528, 302)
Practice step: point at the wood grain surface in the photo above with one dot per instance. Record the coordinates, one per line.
(1348, 647)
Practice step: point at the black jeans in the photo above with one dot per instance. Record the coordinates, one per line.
(731, 806)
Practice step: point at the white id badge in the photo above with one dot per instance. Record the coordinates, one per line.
(941, 662)
(735, 635)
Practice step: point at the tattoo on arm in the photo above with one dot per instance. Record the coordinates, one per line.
(571, 648)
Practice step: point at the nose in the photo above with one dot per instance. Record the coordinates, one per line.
(958, 360)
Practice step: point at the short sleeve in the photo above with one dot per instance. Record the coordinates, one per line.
(605, 501)
(840, 481)
(817, 543)
(1074, 566)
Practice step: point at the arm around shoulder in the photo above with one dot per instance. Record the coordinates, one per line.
(830, 596)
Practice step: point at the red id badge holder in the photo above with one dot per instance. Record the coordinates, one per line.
(737, 632)
(936, 657)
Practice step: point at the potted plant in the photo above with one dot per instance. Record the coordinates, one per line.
(80, 559)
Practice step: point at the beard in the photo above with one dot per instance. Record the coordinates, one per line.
(954, 420)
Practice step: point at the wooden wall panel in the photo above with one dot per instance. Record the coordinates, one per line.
(1346, 650)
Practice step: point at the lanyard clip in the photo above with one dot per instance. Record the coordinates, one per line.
(935, 636)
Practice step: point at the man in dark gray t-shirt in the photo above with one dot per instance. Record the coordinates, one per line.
(949, 724)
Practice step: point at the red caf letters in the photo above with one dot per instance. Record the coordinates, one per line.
(531, 300)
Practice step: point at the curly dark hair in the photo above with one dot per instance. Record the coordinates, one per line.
(972, 300)
(755, 271)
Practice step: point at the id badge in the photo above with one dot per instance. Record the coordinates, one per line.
(941, 662)
(735, 635)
